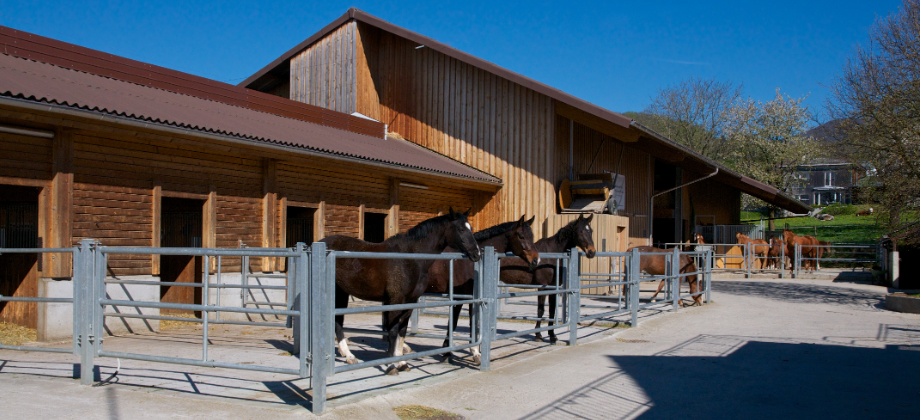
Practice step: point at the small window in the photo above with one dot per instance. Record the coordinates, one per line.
(375, 224)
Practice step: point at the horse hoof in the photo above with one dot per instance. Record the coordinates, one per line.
(552, 340)
(476, 360)
(538, 337)
(405, 367)
(392, 371)
(351, 361)
(407, 349)
(447, 357)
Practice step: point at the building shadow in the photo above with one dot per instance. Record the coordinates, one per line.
(739, 377)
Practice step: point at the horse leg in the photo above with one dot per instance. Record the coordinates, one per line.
(342, 343)
(540, 314)
(456, 310)
(658, 289)
(397, 323)
(550, 333)
(475, 351)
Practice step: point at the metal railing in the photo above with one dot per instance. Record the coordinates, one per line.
(309, 308)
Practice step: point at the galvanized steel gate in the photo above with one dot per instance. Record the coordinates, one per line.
(308, 305)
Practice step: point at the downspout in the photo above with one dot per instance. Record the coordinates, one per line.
(652, 199)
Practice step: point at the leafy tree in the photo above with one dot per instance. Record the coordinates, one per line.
(877, 105)
(693, 113)
(768, 141)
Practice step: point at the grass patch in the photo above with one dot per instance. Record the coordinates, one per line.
(16, 335)
(419, 412)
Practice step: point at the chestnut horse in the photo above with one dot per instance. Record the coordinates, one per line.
(577, 233)
(758, 248)
(652, 261)
(395, 281)
(775, 246)
(515, 237)
(809, 246)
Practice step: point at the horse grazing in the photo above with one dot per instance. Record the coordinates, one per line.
(515, 237)
(866, 212)
(759, 248)
(809, 246)
(395, 281)
(652, 261)
(577, 233)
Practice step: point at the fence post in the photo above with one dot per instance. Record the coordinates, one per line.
(797, 259)
(487, 290)
(783, 261)
(83, 308)
(708, 271)
(574, 294)
(322, 276)
(633, 280)
(301, 327)
(674, 277)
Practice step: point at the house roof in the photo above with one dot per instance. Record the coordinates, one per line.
(66, 78)
(623, 127)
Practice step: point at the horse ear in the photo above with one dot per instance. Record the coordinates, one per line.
(467, 213)
(520, 220)
(530, 222)
(451, 211)
(589, 218)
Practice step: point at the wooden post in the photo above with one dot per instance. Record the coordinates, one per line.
(60, 201)
(269, 213)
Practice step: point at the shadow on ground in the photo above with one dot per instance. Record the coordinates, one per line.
(738, 377)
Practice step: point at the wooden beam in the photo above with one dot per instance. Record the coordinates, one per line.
(269, 211)
(393, 216)
(61, 198)
(617, 131)
(156, 211)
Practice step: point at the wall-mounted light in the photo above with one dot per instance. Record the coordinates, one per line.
(411, 185)
(420, 47)
(27, 132)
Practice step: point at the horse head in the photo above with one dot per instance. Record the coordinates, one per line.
(521, 242)
(460, 235)
(583, 235)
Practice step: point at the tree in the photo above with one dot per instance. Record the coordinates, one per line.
(876, 101)
(768, 141)
(693, 114)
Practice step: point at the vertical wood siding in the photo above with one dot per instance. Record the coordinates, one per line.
(330, 86)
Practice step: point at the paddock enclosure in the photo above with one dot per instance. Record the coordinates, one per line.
(297, 314)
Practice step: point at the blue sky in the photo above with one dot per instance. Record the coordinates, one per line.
(615, 54)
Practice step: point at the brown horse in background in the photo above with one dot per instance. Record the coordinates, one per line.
(809, 246)
(775, 246)
(758, 248)
(577, 233)
(515, 237)
(652, 261)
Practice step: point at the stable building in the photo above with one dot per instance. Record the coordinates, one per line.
(364, 129)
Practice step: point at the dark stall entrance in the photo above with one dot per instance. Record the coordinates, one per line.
(375, 227)
(18, 272)
(299, 226)
(180, 226)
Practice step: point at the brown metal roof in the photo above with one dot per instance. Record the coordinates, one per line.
(99, 83)
(568, 105)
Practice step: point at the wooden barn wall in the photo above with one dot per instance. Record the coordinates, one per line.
(330, 86)
(710, 198)
(593, 153)
(449, 107)
(114, 180)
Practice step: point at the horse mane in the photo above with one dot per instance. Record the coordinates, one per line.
(426, 227)
(567, 234)
(494, 231)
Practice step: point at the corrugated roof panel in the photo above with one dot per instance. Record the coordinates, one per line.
(40, 82)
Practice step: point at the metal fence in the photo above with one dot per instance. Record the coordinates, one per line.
(307, 304)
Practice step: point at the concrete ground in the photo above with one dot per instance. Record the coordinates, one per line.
(764, 348)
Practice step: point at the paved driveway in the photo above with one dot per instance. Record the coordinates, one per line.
(765, 348)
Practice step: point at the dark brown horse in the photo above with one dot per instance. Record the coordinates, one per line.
(652, 261)
(775, 247)
(396, 281)
(515, 237)
(577, 233)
